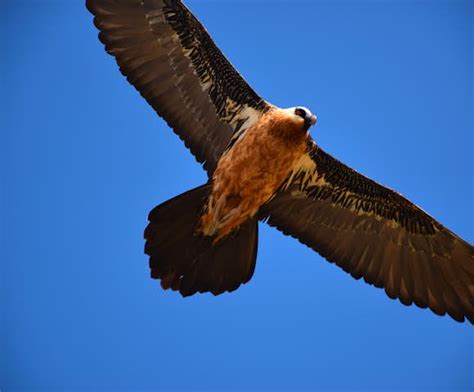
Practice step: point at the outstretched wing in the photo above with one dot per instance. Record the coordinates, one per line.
(375, 233)
(172, 61)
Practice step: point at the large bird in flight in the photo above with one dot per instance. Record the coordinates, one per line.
(263, 165)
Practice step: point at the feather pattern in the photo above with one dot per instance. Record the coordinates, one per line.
(169, 57)
(373, 232)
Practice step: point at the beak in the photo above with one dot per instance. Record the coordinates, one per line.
(309, 121)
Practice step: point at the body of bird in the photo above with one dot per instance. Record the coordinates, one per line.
(252, 169)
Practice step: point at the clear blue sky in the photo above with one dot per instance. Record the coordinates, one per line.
(83, 159)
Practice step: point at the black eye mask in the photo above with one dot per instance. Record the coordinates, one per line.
(302, 113)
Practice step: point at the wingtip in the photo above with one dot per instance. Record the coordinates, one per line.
(90, 6)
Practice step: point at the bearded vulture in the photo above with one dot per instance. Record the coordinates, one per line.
(262, 164)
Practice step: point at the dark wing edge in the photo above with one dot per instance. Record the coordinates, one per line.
(168, 56)
(373, 232)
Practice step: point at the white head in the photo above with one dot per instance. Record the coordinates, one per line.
(300, 111)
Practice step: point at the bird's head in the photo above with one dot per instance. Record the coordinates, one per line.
(308, 117)
(303, 115)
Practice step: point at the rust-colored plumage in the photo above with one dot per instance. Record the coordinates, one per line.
(249, 173)
(263, 165)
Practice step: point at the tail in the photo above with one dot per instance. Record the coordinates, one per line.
(192, 263)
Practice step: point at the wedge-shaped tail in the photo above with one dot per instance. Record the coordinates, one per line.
(189, 262)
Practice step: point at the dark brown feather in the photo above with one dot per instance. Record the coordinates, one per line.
(190, 263)
(373, 232)
(172, 61)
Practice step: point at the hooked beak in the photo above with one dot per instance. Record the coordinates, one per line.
(310, 121)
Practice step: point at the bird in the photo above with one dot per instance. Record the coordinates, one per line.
(263, 165)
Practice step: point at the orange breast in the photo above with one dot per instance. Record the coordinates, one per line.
(249, 173)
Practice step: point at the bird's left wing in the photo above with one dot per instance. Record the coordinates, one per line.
(172, 61)
(373, 232)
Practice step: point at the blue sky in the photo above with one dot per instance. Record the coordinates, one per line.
(84, 159)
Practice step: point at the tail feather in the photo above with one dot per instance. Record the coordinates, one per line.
(190, 263)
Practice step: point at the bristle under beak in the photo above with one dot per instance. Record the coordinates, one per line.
(309, 120)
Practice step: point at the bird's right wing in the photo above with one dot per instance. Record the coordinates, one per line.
(172, 61)
(373, 232)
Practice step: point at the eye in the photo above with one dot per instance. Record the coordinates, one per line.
(300, 112)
